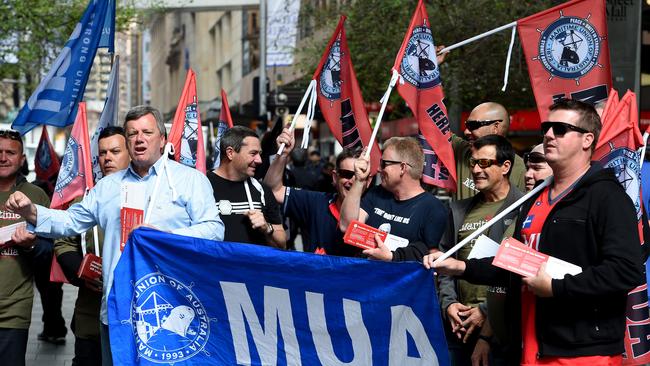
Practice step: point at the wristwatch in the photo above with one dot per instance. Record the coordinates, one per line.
(269, 229)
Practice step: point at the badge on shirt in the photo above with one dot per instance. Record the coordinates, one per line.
(132, 203)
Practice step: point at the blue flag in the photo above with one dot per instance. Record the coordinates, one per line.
(108, 32)
(108, 116)
(55, 100)
(187, 301)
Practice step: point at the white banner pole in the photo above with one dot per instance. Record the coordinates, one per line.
(496, 218)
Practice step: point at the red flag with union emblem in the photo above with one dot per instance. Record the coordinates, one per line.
(567, 53)
(76, 174)
(225, 122)
(339, 97)
(618, 148)
(420, 86)
(186, 134)
(46, 162)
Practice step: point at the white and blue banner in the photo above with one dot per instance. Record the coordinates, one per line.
(186, 301)
(56, 99)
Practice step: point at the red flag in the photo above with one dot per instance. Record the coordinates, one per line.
(617, 148)
(46, 162)
(186, 134)
(567, 53)
(76, 174)
(339, 97)
(421, 88)
(225, 122)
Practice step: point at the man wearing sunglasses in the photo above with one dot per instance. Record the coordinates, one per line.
(485, 119)
(317, 213)
(465, 305)
(586, 218)
(17, 262)
(399, 206)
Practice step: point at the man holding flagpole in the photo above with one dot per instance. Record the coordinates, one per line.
(183, 204)
(400, 206)
(584, 217)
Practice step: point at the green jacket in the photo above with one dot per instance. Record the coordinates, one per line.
(16, 264)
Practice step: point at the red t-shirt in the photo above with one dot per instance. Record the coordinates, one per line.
(530, 232)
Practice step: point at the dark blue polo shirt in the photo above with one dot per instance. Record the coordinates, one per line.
(310, 210)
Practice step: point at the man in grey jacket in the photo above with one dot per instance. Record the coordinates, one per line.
(465, 305)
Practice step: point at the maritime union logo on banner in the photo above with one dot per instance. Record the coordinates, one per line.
(569, 48)
(625, 163)
(419, 63)
(169, 322)
(69, 166)
(330, 78)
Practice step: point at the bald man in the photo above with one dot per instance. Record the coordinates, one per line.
(486, 119)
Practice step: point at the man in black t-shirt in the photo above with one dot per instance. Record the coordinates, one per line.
(247, 207)
(399, 206)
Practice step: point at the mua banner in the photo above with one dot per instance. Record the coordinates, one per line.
(188, 301)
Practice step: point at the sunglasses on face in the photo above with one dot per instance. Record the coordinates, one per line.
(345, 174)
(384, 163)
(534, 158)
(10, 134)
(482, 163)
(560, 128)
(475, 125)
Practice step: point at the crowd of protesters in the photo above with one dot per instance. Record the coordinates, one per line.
(491, 316)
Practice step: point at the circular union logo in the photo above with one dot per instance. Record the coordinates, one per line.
(419, 63)
(330, 77)
(569, 47)
(169, 322)
(69, 165)
(625, 163)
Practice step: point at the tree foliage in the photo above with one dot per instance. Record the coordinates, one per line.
(470, 75)
(33, 31)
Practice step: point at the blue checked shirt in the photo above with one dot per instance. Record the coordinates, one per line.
(192, 213)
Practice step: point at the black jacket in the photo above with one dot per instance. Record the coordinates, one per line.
(594, 227)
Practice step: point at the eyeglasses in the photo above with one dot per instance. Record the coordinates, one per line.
(345, 174)
(482, 163)
(475, 125)
(560, 128)
(11, 134)
(534, 158)
(384, 163)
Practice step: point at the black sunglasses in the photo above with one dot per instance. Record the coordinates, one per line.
(345, 174)
(475, 125)
(384, 163)
(560, 128)
(482, 163)
(10, 134)
(534, 158)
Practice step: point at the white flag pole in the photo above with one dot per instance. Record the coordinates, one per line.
(384, 102)
(96, 239)
(310, 89)
(645, 145)
(496, 218)
(83, 235)
(477, 37)
(169, 149)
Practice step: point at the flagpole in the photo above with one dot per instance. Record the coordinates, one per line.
(477, 37)
(310, 89)
(645, 145)
(496, 218)
(384, 102)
